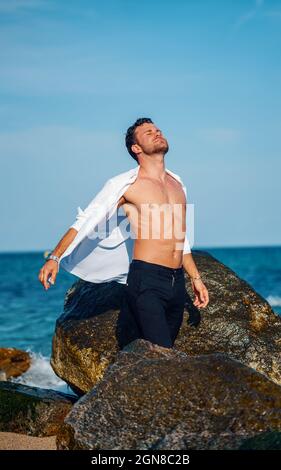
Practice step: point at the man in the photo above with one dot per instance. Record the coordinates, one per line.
(154, 297)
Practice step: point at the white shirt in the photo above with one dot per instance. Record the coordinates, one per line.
(105, 258)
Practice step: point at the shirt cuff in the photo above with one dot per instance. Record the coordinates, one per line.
(80, 219)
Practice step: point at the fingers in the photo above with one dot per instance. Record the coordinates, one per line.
(204, 297)
(47, 277)
(201, 297)
(52, 279)
(197, 301)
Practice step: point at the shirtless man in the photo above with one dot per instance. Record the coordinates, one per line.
(155, 204)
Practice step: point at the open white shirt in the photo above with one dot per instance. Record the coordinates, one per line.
(105, 257)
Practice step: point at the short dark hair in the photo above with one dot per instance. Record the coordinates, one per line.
(130, 135)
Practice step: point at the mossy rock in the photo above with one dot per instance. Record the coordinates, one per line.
(32, 410)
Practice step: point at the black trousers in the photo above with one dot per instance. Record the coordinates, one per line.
(153, 304)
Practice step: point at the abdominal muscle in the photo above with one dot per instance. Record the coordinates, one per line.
(159, 252)
(150, 243)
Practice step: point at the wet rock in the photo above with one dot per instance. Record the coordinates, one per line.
(31, 410)
(156, 399)
(237, 322)
(13, 362)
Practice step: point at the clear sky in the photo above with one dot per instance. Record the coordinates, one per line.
(74, 75)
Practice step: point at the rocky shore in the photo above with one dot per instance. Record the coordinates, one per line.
(218, 388)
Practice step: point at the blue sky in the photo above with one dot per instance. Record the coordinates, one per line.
(74, 75)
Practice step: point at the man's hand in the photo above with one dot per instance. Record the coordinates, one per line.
(50, 268)
(201, 293)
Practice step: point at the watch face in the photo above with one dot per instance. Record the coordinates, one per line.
(53, 257)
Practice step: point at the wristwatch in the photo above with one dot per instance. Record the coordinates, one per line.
(54, 257)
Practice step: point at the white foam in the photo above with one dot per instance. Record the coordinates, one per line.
(274, 300)
(40, 374)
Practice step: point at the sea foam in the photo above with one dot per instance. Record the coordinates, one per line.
(40, 374)
(274, 300)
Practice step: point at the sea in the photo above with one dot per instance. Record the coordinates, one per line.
(28, 313)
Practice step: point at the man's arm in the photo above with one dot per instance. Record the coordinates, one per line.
(50, 268)
(190, 266)
(199, 288)
(65, 241)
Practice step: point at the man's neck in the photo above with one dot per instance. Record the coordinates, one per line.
(153, 167)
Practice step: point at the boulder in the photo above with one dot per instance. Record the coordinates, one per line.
(13, 362)
(162, 399)
(237, 322)
(31, 410)
(85, 341)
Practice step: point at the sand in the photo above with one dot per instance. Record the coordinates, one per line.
(13, 441)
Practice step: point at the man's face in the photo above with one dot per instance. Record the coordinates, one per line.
(149, 139)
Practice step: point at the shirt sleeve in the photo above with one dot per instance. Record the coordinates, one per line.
(99, 202)
(186, 245)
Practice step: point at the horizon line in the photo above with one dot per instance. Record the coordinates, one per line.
(201, 247)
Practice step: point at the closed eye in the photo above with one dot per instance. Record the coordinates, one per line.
(149, 131)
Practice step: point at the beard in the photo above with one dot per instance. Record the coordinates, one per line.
(161, 145)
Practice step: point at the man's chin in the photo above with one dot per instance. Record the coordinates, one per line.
(161, 147)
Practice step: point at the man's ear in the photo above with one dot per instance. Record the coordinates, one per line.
(135, 148)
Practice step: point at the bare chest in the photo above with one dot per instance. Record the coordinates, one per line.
(152, 193)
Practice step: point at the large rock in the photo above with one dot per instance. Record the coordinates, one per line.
(164, 399)
(85, 341)
(31, 410)
(13, 362)
(237, 322)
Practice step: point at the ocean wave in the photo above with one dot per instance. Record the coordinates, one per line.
(40, 374)
(274, 300)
